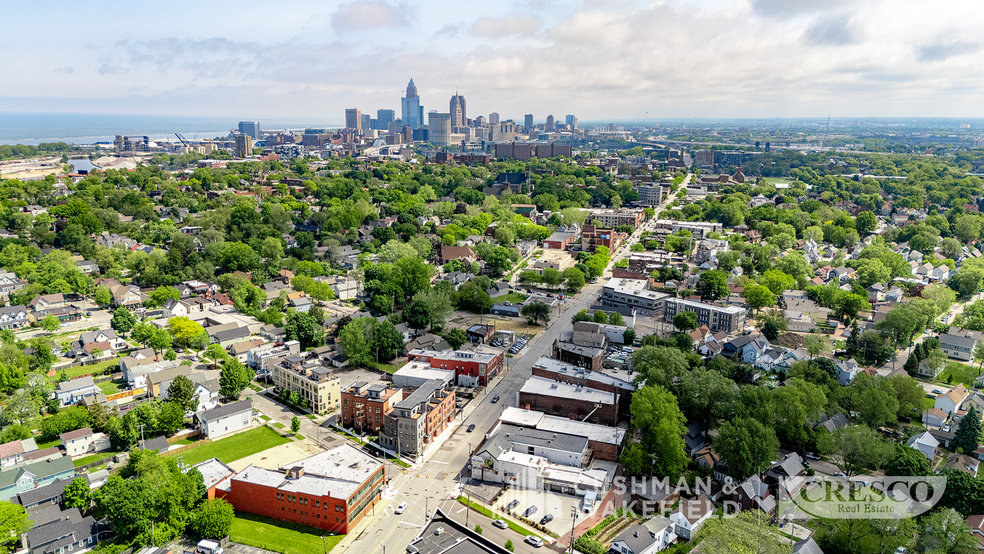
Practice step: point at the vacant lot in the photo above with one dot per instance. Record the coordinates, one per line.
(235, 447)
(279, 536)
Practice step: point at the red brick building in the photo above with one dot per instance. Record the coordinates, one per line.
(333, 490)
(592, 237)
(567, 400)
(471, 367)
(365, 407)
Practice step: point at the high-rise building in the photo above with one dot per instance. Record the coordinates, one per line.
(366, 119)
(440, 128)
(353, 119)
(494, 118)
(528, 122)
(550, 123)
(383, 118)
(571, 121)
(244, 145)
(251, 128)
(413, 112)
(458, 113)
(480, 121)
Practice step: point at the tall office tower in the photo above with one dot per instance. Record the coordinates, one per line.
(440, 128)
(459, 117)
(480, 121)
(550, 123)
(383, 118)
(413, 112)
(528, 122)
(353, 119)
(251, 128)
(571, 121)
(366, 119)
(494, 118)
(244, 145)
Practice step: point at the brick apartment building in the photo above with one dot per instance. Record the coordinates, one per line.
(556, 370)
(333, 490)
(417, 419)
(614, 218)
(314, 382)
(365, 407)
(472, 367)
(567, 400)
(593, 236)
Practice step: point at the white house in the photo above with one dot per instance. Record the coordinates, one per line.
(84, 441)
(141, 363)
(651, 537)
(225, 419)
(925, 443)
(70, 392)
(13, 317)
(847, 370)
(951, 401)
(690, 516)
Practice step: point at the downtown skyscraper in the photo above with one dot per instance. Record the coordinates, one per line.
(459, 117)
(412, 111)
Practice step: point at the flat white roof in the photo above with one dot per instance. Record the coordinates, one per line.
(555, 424)
(701, 305)
(633, 287)
(547, 387)
(422, 370)
(521, 417)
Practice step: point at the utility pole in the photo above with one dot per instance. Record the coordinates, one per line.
(573, 522)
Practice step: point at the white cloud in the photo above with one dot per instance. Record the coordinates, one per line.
(370, 14)
(508, 25)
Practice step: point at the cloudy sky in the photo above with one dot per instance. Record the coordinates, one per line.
(295, 59)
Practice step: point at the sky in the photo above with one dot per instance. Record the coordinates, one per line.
(305, 59)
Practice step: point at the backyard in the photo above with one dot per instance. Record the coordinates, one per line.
(958, 373)
(235, 447)
(94, 369)
(280, 536)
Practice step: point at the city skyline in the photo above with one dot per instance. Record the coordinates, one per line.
(681, 58)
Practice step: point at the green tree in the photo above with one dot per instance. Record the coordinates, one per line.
(509, 545)
(50, 323)
(184, 330)
(901, 323)
(123, 321)
(685, 321)
(456, 338)
(777, 281)
(160, 295)
(302, 327)
(234, 378)
(968, 436)
(659, 365)
(600, 317)
(213, 518)
(103, 296)
(814, 344)
(182, 392)
(581, 316)
(159, 340)
(239, 256)
(865, 223)
(629, 336)
(13, 523)
(615, 318)
(655, 412)
(417, 315)
(575, 279)
(872, 271)
(758, 297)
(170, 418)
(439, 305)
(967, 281)
(534, 312)
(713, 285)
(295, 425)
(946, 531)
(747, 532)
(78, 495)
(856, 448)
(908, 462)
(746, 447)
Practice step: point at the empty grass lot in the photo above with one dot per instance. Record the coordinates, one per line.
(961, 373)
(95, 369)
(235, 447)
(279, 536)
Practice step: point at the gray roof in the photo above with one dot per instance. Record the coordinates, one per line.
(637, 538)
(422, 394)
(66, 531)
(226, 410)
(807, 546)
(791, 465)
(45, 493)
(543, 439)
(158, 444)
(230, 334)
(76, 384)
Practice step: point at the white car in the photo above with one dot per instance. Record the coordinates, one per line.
(500, 523)
(401, 508)
(535, 541)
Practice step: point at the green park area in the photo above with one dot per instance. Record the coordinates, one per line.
(235, 447)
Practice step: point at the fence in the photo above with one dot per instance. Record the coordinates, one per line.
(191, 435)
(125, 394)
(187, 447)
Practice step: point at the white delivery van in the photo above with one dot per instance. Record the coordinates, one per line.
(208, 547)
(588, 502)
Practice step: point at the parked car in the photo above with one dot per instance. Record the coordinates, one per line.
(546, 519)
(401, 508)
(495, 399)
(530, 511)
(501, 524)
(937, 391)
(471, 427)
(512, 505)
(534, 541)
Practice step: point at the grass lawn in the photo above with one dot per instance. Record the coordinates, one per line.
(513, 297)
(298, 436)
(928, 403)
(265, 417)
(235, 447)
(489, 513)
(278, 425)
(311, 416)
(256, 387)
(93, 458)
(391, 369)
(279, 536)
(185, 442)
(109, 387)
(94, 369)
(47, 444)
(959, 373)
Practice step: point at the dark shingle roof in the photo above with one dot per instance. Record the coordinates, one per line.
(226, 410)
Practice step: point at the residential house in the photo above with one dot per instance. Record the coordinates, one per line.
(847, 370)
(32, 475)
(753, 494)
(141, 363)
(746, 348)
(690, 516)
(74, 390)
(650, 537)
(83, 441)
(65, 535)
(225, 419)
(696, 437)
(47, 302)
(13, 317)
(13, 452)
(959, 343)
(925, 443)
(128, 296)
(963, 462)
(950, 401)
(934, 417)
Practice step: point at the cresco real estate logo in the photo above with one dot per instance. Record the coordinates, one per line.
(884, 497)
